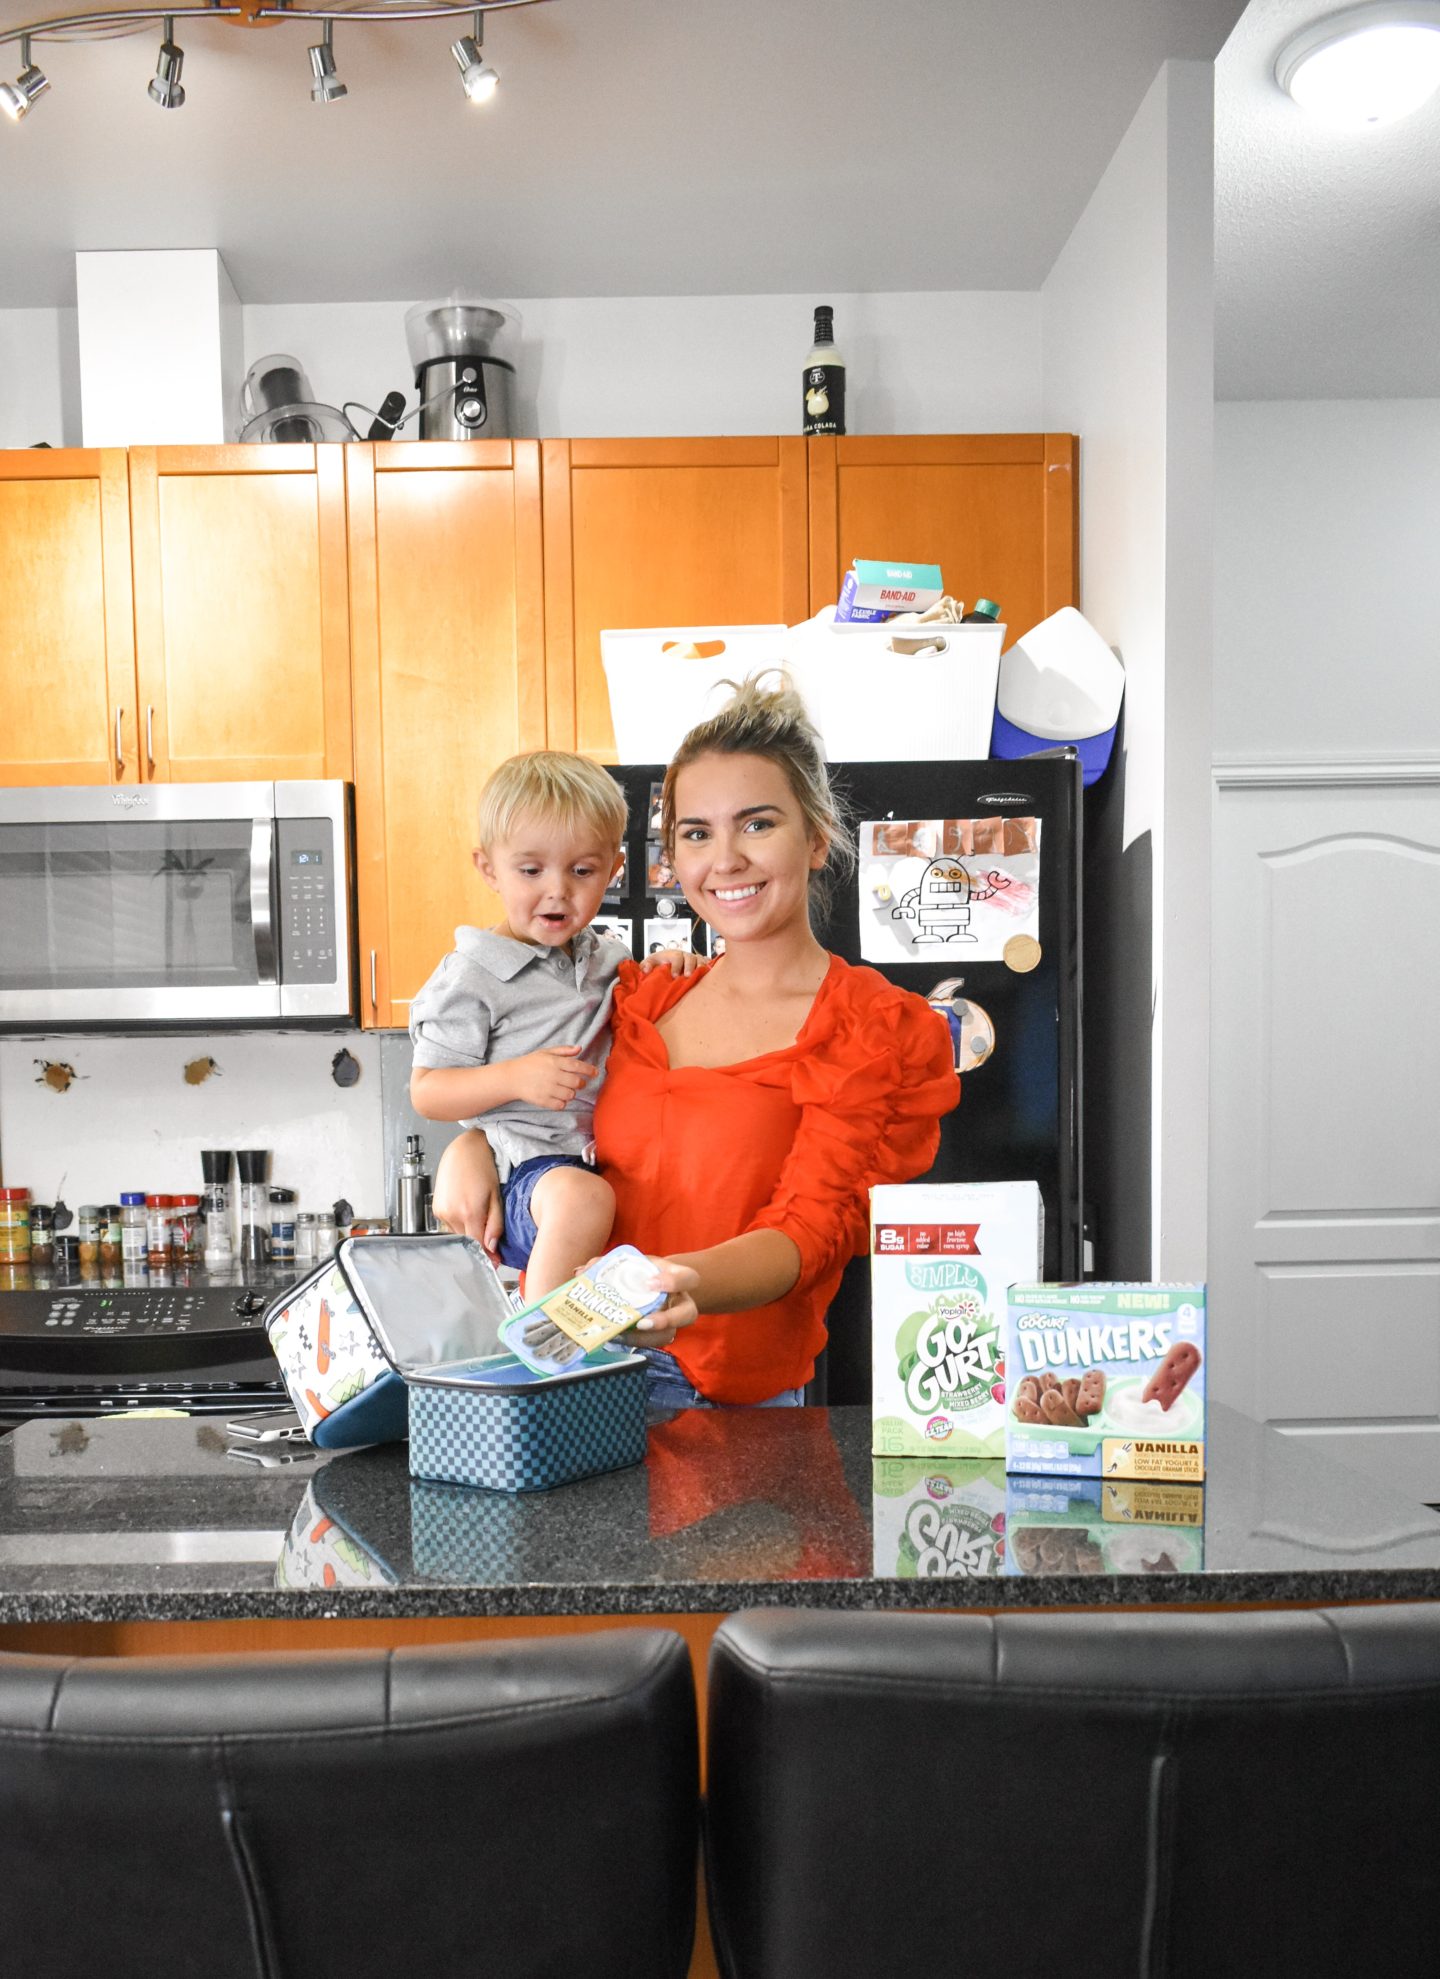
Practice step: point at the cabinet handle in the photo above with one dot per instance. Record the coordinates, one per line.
(374, 997)
(150, 738)
(119, 758)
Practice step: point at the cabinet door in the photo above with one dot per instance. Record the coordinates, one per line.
(449, 656)
(997, 512)
(661, 532)
(67, 648)
(241, 612)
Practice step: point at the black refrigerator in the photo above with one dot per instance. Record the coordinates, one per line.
(967, 890)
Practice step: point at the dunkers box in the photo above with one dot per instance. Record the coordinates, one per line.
(942, 1257)
(1091, 1525)
(1106, 1381)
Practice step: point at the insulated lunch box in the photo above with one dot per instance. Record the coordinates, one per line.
(398, 1333)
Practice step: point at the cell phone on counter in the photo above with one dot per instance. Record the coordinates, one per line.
(272, 1456)
(282, 1427)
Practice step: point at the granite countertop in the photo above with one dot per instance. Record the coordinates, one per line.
(154, 1519)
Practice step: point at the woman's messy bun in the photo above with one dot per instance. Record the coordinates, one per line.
(770, 720)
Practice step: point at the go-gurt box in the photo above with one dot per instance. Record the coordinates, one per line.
(939, 1518)
(942, 1255)
(1106, 1381)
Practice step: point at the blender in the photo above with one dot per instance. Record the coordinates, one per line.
(466, 390)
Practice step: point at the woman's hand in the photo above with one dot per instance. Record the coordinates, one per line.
(466, 1198)
(681, 1282)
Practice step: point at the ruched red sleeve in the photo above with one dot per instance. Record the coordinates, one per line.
(871, 1096)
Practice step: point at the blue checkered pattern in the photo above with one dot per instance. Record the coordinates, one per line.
(530, 1438)
(463, 1535)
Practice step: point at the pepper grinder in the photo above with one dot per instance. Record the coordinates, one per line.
(254, 1206)
(414, 1188)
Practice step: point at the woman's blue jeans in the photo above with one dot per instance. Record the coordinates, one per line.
(668, 1388)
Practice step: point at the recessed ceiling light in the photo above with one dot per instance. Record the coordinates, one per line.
(1365, 65)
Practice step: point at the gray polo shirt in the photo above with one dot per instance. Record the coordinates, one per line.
(492, 999)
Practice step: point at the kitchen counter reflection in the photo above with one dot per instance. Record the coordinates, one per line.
(117, 1520)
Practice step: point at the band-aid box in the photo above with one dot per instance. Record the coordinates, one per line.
(942, 1255)
(938, 1519)
(1094, 1525)
(875, 590)
(1106, 1380)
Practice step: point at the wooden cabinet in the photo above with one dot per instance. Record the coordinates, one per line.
(449, 677)
(67, 642)
(661, 532)
(997, 512)
(241, 612)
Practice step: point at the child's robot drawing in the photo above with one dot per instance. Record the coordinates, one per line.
(940, 904)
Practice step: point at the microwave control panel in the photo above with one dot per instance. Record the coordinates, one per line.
(305, 856)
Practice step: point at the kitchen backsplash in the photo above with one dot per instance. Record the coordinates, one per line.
(95, 1115)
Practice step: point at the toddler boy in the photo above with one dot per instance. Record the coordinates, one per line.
(512, 1030)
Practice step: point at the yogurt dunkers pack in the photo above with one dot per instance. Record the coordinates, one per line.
(1089, 1526)
(585, 1312)
(942, 1257)
(1106, 1380)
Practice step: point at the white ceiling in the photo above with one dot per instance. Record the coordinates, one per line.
(640, 147)
(1327, 243)
(683, 147)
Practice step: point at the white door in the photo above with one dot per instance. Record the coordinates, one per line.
(1325, 1130)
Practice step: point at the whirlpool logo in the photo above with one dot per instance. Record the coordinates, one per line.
(128, 800)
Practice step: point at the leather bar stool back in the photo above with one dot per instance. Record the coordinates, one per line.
(1093, 1796)
(499, 1809)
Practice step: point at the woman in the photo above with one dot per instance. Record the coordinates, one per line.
(748, 1109)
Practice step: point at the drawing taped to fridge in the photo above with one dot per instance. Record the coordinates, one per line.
(947, 887)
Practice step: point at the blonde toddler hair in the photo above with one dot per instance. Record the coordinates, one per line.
(554, 786)
(771, 721)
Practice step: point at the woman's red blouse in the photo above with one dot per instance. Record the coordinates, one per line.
(793, 1140)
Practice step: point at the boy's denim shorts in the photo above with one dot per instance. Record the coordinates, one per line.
(518, 1237)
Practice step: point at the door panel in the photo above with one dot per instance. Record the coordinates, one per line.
(68, 665)
(449, 680)
(996, 512)
(662, 532)
(242, 612)
(1325, 1184)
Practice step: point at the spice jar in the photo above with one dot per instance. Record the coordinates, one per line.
(42, 1236)
(14, 1226)
(305, 1238)
(325, 1235)
(282, 1226)
(186, 1234)
(110, 1237)
(132, 1231)
(88, 1219)
(159, 1213)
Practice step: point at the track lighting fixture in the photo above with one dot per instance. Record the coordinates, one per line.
(166, 88)
(16, 97)
(478, 80)
(327, 86)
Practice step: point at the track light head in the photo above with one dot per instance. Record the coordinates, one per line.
(478, 80)
(17, 97)
(327, 86)
(165, 86)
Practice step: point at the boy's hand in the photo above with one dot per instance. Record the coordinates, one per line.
(551, 1078)
(679, 961)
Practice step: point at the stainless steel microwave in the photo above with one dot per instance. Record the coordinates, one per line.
(177, 904)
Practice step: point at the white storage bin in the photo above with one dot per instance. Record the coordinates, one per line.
(875, 706)
(657, 697)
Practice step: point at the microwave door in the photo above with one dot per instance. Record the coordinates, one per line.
(148, 906)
